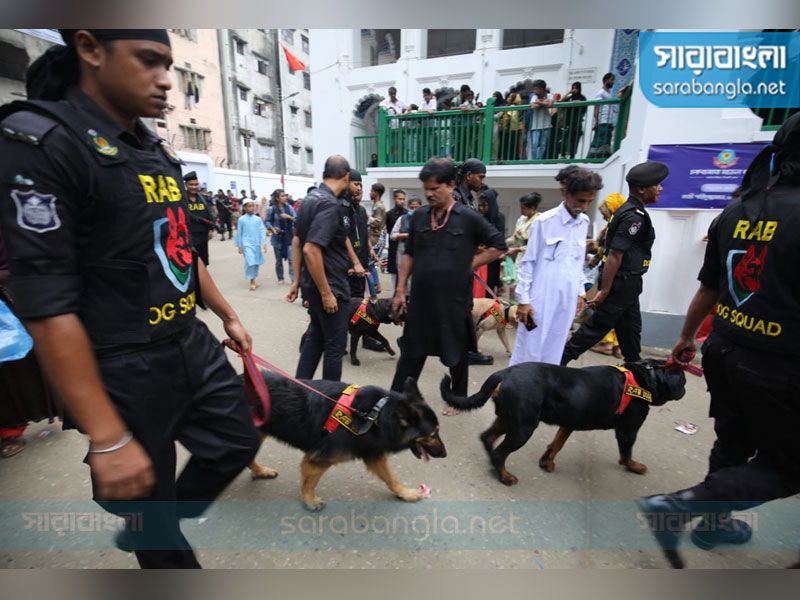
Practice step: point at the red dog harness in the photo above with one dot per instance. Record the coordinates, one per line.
(497, 312)
(361, 313)
(341, 413)
(631, 389)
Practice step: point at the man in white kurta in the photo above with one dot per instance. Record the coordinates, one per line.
(550, 281)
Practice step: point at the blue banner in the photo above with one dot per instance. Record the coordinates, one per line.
(703, 175)
(701, 70)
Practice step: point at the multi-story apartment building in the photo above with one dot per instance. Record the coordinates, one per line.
(249, 66)
(18, 49)
(298, 139)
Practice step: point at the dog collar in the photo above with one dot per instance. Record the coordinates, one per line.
(497, 312)
(342, 414)
(361, 313)
(631, 389)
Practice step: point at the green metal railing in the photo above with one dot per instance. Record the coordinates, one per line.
(587, 131)
(773, 117)
(365, 147)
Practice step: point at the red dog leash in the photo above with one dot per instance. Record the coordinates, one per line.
(693, 369)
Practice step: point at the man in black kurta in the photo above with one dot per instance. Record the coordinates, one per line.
(441, 255)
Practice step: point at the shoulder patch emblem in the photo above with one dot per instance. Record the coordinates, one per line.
(634, 229)
(102, 145)
(169, 150)
(35, 211)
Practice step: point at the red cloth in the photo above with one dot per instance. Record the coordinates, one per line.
(478, 291)
(295, 64)
(8, 432)
(705, 327)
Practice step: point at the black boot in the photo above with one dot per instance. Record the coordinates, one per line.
(370, 343)
(720, 529)
(476, 358)
(666, 515)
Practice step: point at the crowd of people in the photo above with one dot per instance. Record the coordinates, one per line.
(113, 321)
(537, 130)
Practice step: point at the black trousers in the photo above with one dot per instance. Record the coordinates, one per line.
(619, 311)
(200, 241)
(412, 367)
(186, 391)
(327, 334)
(755, 403)
(225, 223)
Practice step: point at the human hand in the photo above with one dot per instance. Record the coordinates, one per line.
(598, 299)
(329, 303)
(237, 332)
(358, 270)
(123, 474)
(241, 250)
(399, 303)
(523, 310)
(581, 306)
(684, 350)
(292, 295)
(211, 234)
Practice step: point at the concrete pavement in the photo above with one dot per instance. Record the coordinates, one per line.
(50, 470)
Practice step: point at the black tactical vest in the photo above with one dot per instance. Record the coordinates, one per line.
(635, 260)
(202, 219)
(138, 268)
(759, 286)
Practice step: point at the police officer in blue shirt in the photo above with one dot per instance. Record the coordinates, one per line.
(102, 268)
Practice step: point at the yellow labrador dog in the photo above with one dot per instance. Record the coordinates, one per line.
(488, 315)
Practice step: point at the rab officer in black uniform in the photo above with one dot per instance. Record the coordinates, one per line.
(752, 357)
(202, 219)
(355, 215)
(102, 269)
(630, 238)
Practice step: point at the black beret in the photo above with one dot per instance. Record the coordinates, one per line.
(646, 174)
(355, 175)
(190, 176)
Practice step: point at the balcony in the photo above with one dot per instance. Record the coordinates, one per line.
(575, 132)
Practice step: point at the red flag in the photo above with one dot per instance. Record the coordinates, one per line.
(295, 64)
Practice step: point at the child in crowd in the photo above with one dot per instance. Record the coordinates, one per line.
(251, 239)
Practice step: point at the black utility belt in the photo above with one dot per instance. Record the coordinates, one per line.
(623, 275)
(114, 351)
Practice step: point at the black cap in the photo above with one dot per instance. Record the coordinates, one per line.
(355, 175)
(190, 176)
(647, 174)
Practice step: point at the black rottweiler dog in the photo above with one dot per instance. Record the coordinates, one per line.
(576, 399)
(379, 311)
(298, 416)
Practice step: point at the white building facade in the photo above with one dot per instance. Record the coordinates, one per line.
(354, 69)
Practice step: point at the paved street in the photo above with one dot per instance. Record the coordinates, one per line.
(554, 504)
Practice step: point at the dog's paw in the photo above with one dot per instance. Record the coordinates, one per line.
(546, 462)
(263, 473)
(636, 467)
(314, 505)
(508, 479)
(410, 495)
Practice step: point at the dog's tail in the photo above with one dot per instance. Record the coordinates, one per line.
(474, 401)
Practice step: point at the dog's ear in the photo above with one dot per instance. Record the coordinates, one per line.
(403, 412)
(411, 390)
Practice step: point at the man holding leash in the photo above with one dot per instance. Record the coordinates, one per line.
(106, 280)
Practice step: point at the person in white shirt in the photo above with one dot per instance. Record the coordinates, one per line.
(539, 133)
(605, 118)
(394, 108)
(429, 104)
(550, 286)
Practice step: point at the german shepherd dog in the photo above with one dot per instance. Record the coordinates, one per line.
(298, 416)
(576, 399)
(484, 323)
(380, 311)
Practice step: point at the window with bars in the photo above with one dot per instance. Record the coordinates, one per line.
(308, 117)
(288, 35)
(306, 80)
(309, 155)
(447, 42)
(239, 45)
(296, 150)
(304, 41)
(242, 94)
(262, 65)
(196, 138)
(260, 107)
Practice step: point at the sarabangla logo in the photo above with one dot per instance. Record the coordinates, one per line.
(726, 159)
